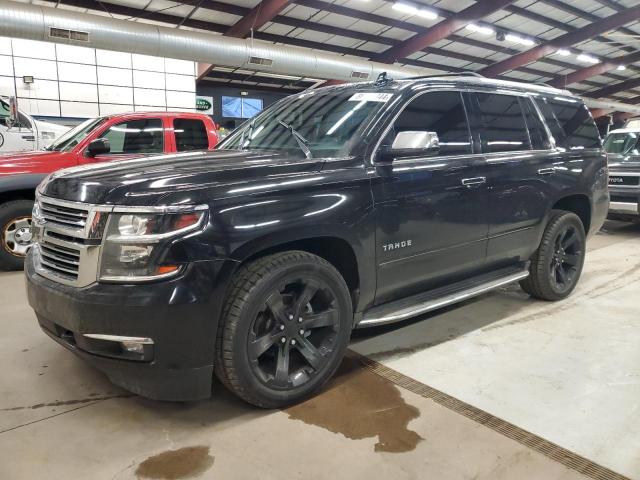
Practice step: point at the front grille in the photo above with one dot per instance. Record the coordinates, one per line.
(624, 180)
(64, 261)
(67, 239)
(64, 216)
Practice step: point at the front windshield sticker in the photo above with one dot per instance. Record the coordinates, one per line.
(371, 97)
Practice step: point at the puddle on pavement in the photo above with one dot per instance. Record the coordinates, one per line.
(360, 404)
(185, 462)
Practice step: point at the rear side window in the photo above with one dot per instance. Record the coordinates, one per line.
(570, 123)
(537, 133)
(136, 136)
(439, 112)
(191, 134)
(502, 125)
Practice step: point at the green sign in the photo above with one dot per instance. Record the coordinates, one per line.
(203, 105)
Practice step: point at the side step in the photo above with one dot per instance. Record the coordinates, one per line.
(441, 297)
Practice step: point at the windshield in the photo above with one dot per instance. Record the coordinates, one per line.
(74, 136)
(623, 143)
(314, 124)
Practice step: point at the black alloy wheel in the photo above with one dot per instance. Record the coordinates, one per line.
(284, 329)
(557, 263)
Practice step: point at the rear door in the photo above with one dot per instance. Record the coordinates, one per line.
(132, 138)
(519, 165)
(431, 211)
(190, 134)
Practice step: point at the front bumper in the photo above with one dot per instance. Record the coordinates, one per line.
(624, 201)
(180, 316)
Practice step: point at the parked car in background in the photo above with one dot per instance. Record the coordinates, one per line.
(25, 132)
(623, 148)
(342, 207)
(101, 139)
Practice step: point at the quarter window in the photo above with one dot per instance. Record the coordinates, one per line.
(570, 123)
(502, 125)
(136, 136)
(439, 112)
(190, 134)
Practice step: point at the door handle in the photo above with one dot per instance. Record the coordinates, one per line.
(469, 182)
(546, 171)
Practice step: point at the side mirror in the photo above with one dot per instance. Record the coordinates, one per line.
(412, 143)
(99, 146)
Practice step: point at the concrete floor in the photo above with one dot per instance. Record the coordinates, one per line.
(567, 372)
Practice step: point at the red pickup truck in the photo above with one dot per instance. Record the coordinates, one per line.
(99, 139)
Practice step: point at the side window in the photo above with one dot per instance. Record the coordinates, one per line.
(537, 132)
(502, 125)
(136, 136)
(570, 123)
(191, 134)
(439, 112)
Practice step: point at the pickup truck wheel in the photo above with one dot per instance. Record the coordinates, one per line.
(284, 330)
(15, 233)
(557, 264)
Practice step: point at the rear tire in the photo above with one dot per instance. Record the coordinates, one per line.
(285, 327)
(15, 221)
(557, 264)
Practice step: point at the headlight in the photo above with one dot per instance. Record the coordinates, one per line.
(133, 245)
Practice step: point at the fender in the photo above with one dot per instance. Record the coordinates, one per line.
(26, 181)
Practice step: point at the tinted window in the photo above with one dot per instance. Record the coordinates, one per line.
(537, 133)
(502, 125)
(191, 134)
(570, 123)
(136, 136)
(439, 112)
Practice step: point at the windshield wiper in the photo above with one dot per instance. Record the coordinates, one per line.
(302, 142)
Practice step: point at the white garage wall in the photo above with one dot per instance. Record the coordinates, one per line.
(78, 82)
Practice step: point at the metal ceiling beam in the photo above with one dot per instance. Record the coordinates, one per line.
(412, 27)
(441, 30)
(564, 41)
(618, 87)
(216, 84)
(594, 70)
(257, 17)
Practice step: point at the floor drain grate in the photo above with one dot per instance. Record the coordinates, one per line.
(561, 455)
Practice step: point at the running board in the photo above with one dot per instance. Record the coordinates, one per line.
(441, 297)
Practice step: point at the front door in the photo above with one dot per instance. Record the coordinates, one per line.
(132, 138)
(430, 210)
(18, 136)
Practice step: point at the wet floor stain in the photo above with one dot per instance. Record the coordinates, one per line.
(59, 403)
(187, 462)
(360, 404)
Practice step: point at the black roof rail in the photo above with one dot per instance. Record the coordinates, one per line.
(461, 74)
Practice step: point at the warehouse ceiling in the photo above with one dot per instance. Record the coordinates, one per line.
(589, 46)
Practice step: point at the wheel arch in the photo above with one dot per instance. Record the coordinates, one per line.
(337, 249)
(578, 204)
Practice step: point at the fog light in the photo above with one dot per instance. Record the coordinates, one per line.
(133, 347)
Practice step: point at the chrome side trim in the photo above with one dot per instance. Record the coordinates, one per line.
(118, 338)
(434, 304)
(624, 207)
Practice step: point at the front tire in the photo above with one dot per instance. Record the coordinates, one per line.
(15, 233)
(285, 327)
(557, 264)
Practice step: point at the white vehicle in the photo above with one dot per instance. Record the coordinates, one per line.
(25, 133)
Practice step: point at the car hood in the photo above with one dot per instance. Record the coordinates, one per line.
(190, 178)
(621, 163)
(28, 162)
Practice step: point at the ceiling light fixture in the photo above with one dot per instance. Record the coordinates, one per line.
(563, 52)
(621, 67)
(481, 29)
(518, 39)
(583, 57)
(414, 10)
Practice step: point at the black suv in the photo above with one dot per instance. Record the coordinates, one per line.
(339, 207)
